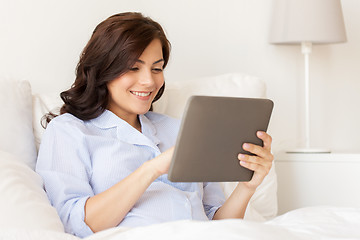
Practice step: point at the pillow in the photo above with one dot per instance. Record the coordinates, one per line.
(16, 122)
(174, 98)
(176, 93)
(43, 104)
(23, 202)
(263, 205)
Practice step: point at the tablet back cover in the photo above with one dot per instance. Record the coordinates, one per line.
(211, 135)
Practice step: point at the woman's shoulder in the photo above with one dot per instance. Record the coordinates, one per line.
(65, 128)
(66, 118)
(67, 121)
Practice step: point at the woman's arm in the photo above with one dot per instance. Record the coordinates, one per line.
(107, 209)
(235, 205)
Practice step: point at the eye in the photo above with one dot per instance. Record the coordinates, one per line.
(157, 70)
(134, 69)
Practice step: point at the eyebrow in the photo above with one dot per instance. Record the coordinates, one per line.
(158, 61)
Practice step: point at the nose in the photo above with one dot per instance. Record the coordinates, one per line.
(146, 78)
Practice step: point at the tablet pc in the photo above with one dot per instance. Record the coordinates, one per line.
(211, 135)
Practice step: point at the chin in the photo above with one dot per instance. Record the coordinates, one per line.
(143, 111)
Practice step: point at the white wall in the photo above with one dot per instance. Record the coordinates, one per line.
(42, 39)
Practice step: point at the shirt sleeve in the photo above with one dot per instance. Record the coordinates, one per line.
(213, 198)
(64, 164)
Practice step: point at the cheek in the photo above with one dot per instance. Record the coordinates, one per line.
(119, 85)
(159, 81)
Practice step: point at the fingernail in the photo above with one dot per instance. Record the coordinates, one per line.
(242, 156)
(246, 145)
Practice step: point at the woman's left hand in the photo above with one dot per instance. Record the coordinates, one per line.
(260, 163)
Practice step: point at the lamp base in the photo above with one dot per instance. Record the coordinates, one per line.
(309, 150)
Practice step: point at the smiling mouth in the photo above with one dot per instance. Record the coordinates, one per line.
(141, 94)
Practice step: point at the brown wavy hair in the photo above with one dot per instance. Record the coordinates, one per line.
(112, 50)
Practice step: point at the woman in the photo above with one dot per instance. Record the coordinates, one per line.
(104, 159)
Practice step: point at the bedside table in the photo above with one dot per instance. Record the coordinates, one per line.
(317, 179)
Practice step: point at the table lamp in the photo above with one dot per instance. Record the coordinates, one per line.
(307, 22)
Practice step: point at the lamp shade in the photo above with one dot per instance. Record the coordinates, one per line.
(315, 21)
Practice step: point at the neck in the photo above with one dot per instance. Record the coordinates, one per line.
(137, 124)
(133, 120)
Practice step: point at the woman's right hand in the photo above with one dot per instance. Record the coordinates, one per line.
(162, 162)
(107, 209)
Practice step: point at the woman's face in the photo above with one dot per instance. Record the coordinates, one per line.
(133, 92)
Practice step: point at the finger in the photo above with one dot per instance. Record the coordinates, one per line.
(255, 160)
(258, 151)
(254, 167)
(261, 168)
(266, 138)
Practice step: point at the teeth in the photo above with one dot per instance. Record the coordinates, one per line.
(141, 94)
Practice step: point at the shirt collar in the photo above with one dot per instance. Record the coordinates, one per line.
(126, 132)
(107, 120)
(148, 128)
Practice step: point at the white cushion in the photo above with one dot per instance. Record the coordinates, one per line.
(23, 202)
(176, 93)
(263, 204)
(16, 122)
(43, 104)
(173, 101)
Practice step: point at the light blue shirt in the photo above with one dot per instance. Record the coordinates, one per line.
(79, 159)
